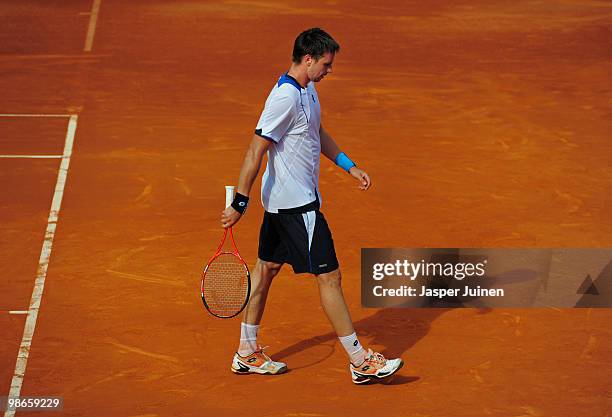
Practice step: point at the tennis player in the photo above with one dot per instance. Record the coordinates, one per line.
(294, 230)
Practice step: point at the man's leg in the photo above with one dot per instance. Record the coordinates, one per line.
(261, 279)
(365, 365)
(332, 300)
(250, 358)
(334, 305)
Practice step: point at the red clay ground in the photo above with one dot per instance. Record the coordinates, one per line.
(482, 124)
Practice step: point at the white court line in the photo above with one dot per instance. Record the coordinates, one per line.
(33, 156)
(33, 115)
(18, 312)
(91, 29)
(43, 264)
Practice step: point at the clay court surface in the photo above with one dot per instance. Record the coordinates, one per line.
(482, 124)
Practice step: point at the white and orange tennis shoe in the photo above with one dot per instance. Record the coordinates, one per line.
(374, 367)
(257, 363)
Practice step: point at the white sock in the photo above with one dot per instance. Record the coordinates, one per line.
(356, 352)
(248, 339)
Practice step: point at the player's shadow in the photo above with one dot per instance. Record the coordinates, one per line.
(395, 329)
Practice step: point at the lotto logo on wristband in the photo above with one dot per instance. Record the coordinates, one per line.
(240, 203)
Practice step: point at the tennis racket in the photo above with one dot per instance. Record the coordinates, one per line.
(226, 281)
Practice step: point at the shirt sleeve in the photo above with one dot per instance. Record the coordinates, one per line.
(276, 119)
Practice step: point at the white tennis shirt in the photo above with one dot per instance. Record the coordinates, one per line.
(290, 120)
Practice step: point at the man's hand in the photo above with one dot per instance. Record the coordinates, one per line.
(229, 217)
(362, 176)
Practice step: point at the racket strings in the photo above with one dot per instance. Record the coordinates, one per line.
(225, 285)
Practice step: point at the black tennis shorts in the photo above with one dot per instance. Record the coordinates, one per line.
(301, 239)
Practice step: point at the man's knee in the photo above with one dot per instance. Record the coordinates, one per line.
(269, 269)
(331, 279)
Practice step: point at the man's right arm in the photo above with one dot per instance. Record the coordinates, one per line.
(252, 163)
(250, 168)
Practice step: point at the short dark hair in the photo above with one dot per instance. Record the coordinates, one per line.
(314, 42)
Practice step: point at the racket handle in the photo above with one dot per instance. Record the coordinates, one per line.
(229, 195)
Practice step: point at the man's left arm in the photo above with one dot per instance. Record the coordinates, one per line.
(332, 151)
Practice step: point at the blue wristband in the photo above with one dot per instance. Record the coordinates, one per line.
(344, 162)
